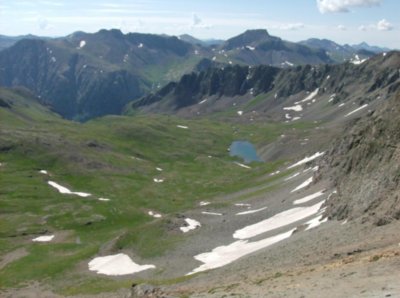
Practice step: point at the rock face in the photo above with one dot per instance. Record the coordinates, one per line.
(379, 73)
(365, 166)
(192, 88)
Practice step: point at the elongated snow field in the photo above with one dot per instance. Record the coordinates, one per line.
(277, 221)
(306, 159)
(224, 255)
(304, 184)
(251, 211)
(66, 191)
(309, 198)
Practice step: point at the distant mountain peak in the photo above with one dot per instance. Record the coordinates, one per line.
(249, 37)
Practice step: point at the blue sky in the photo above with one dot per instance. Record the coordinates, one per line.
(344, 21)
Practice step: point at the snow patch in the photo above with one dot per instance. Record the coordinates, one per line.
(277, 221)
(154, 214)
(203, 101)
(44, 172)
(304, 184)
(250, 48)
(65, 190)
(315, 222)
(159, 169)
(357, 60)
(296, 108)
(309, 97)
(82, 44)
(224, 255)
(211, 213)
(356, 110)
(204, 203)
(275, 173)
(240, 113)
(140, 45)
(156, 180)
(288, 63)
(103, 199)
(251, 211)
(182, 126)
(292, 176)
(46, 238)
(243, 205)
(309, 197)
(306, 159)
(119, 264)
(191, 224)
(242, 165)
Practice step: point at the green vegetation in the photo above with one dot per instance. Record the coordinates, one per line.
(116, 158)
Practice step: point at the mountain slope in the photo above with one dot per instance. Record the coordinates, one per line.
(269, 90)
(365, 166)
(87, 75)
(258, 47)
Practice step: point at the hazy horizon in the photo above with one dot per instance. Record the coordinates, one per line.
(343, 21)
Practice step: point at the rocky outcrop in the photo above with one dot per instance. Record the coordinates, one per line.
(365, 167)
(147, 291)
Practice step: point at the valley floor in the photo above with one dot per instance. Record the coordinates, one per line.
(350, 260)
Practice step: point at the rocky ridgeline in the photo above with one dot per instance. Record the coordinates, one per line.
(380, 73)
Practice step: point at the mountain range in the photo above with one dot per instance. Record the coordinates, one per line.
(88, 75)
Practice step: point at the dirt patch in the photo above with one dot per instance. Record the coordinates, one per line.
(13, 256)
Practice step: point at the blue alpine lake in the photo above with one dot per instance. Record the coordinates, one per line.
(245, 150)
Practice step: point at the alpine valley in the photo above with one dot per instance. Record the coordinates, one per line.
(118, 176)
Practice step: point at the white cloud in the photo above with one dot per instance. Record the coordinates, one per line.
(290, 26)
(326, 6)
(362, 28)
(197, 22)
(43, 24)
(342, 27)
(384, 25)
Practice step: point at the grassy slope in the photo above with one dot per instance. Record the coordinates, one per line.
(112, 157)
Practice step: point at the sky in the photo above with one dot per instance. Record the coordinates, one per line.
(376, 22)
